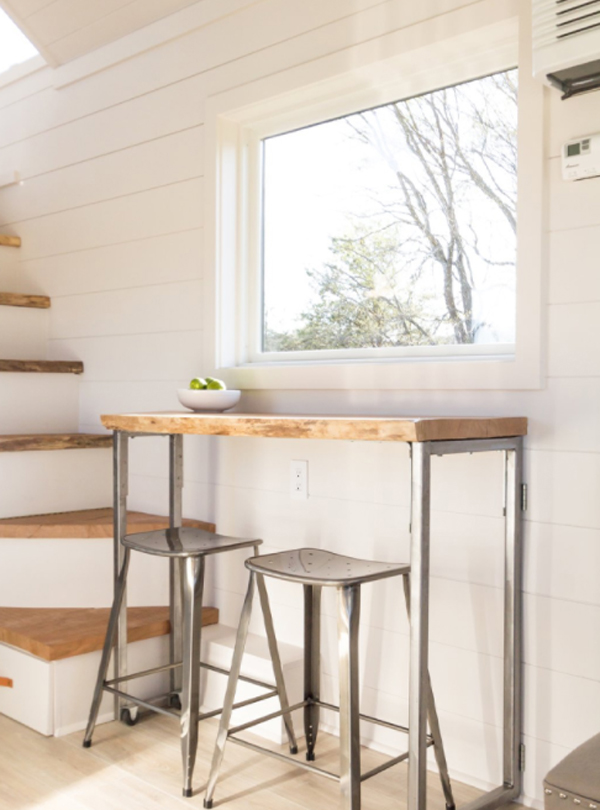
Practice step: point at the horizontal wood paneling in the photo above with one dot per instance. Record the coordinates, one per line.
(157, 308)
(48, 402)
(248, 33)
(156, 163)
(572, 204)
(573, 276)
(135, 263)
(119, 127)
(162, 355)
(563, 488)
(146, 214)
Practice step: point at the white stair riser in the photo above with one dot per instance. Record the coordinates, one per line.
(38, 403)
(54, 697)
(217, 649)
(74, 572)
(23, 333)
(54, 481)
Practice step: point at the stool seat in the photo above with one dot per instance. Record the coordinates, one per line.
(184, 542)
(576, 778)
(314, 566)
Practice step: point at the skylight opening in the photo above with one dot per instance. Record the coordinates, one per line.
(14, 45)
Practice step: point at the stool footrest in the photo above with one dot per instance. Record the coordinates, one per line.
(143, 674)
(366, 717)
(149, 703)
(284, 758)
(167, 667)
(146, 704)
(307, 767)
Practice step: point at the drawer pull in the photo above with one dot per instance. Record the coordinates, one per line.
(6, 682)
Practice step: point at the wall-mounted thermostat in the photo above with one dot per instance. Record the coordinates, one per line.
(581, 158)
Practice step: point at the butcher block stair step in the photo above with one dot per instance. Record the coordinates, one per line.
(87, 523)
(17, 443)
(56, 633)
(42, 366)
(26, 301)
(9, 241)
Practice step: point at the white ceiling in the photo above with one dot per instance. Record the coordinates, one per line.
(62, 30)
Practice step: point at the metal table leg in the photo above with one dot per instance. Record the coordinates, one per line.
(513, 754)
(513, 749)
(348, 626)
(419, 624)
(120, 490)
(175, 566)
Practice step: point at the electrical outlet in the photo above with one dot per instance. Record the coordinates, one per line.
(299, 480)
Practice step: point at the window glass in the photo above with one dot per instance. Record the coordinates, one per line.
(395, 226)
(14, 45)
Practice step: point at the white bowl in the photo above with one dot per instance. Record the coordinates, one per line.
(208, 400)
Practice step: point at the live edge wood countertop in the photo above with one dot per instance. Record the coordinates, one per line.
(359, 428)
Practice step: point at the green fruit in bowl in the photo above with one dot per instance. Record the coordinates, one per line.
(198, 384)
(215, 385)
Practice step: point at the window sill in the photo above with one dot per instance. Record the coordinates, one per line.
(484, 373)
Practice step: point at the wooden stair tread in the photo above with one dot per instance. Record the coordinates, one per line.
(87, 523)
(57, 633)
(9, 241)
(43, 366)
(21, 300)
(18, 443)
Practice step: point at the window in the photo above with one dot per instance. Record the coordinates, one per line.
(394, 227)
(14, 45)
(319, 274)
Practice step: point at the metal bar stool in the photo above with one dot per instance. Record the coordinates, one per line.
(314, 569)
(191, 546)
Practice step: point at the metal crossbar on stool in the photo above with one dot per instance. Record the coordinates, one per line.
(315, 569)
(189, 547)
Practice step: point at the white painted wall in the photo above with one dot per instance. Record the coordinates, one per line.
(111, 216)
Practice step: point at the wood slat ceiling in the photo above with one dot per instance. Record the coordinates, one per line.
(62, 30)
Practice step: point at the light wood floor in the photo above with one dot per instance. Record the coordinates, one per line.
(140, 767)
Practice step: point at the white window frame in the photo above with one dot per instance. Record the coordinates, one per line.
(427, 56)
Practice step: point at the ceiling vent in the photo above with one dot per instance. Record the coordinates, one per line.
(566, 44)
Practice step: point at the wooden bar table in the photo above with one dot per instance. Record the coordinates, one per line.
(427, 437)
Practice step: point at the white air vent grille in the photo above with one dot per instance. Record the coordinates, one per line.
(566, 33)
(556, 20)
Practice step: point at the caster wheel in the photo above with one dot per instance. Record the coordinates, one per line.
(128, 717)
(175, 702)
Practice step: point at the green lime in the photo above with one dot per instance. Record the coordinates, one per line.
(198, 384)
(215, 385)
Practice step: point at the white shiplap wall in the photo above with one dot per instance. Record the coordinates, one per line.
(111, 219)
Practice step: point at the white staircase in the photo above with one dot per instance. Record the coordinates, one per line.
(56, 560)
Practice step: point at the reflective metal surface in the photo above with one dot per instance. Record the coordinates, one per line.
(185, 542)
(348, 623)
(312, 666)
(109, 641)
(418, 685)
(193, 584)
(315, 566)
(175, 566)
